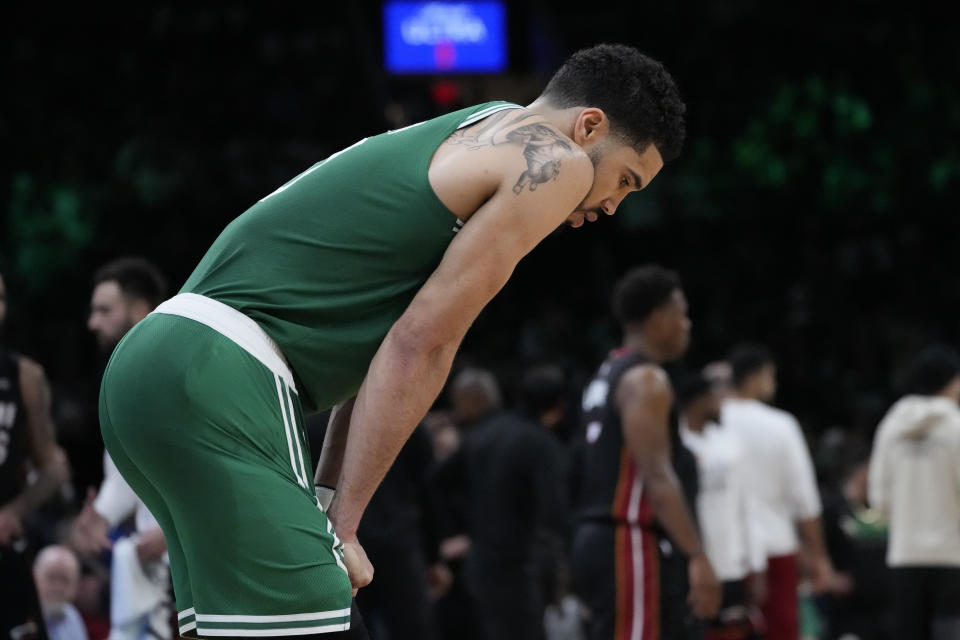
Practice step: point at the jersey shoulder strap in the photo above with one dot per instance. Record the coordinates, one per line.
(484, 110)
(619, 365)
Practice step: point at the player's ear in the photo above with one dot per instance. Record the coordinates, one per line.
(591, 126)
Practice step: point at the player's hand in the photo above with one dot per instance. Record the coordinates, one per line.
(10, 525)
(757, 588)
(823, 578)
(440, 579)
(151, 545)
(88, 533)
(359, 568)
(706, 594)
(455, 547)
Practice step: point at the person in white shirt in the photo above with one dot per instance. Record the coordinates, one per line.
(125, 291)
(779, 469)
(725, 508)
(915, 479)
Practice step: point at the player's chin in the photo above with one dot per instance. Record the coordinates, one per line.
(577, 219)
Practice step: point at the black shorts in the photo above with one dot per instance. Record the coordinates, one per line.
(926, 599)
(20, 614)
(616, 574)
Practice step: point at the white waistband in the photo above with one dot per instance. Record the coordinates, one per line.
(226, 320)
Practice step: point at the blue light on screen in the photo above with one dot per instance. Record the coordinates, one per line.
(444, 37)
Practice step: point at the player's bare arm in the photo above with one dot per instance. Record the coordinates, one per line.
(412, 363)
(644, 398)
(47, 457)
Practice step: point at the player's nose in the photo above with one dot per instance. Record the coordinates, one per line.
(610, 205)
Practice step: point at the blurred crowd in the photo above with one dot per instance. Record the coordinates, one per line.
(473, 531)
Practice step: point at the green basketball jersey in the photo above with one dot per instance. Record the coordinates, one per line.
(329, 261)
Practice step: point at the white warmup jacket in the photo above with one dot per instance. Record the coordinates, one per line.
(915, 479)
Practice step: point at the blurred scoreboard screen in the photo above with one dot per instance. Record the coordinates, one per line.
(444, 37)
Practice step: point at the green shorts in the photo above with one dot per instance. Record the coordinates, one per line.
(207, 429)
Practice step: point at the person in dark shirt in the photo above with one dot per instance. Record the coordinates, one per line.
(856, 538)
(399, 539)
(509, 469)
(543, 400)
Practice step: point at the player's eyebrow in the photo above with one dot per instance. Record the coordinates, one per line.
(637, 181)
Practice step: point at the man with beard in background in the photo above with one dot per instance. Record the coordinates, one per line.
(125, 292)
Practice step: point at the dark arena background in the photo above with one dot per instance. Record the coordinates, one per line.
(813, 209)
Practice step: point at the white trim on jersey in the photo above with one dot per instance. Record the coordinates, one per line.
(489, 111)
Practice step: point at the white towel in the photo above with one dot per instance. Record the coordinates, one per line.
(134, 592)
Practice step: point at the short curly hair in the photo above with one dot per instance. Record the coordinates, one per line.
(635, 91)
(643, 290)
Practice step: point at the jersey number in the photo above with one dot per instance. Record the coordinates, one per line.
(8, 415)
(593, 398)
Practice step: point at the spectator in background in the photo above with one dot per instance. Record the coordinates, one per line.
(57, 574)
(543, 393)
(454, 607)
(725, 506)
(856, 536)
(444, 435)
(510, 471)
(779, 468)
(26, 441)
(915, 478)
(124, 292)
(93, 597)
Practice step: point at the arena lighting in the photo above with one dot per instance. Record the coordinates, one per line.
(444, 37)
